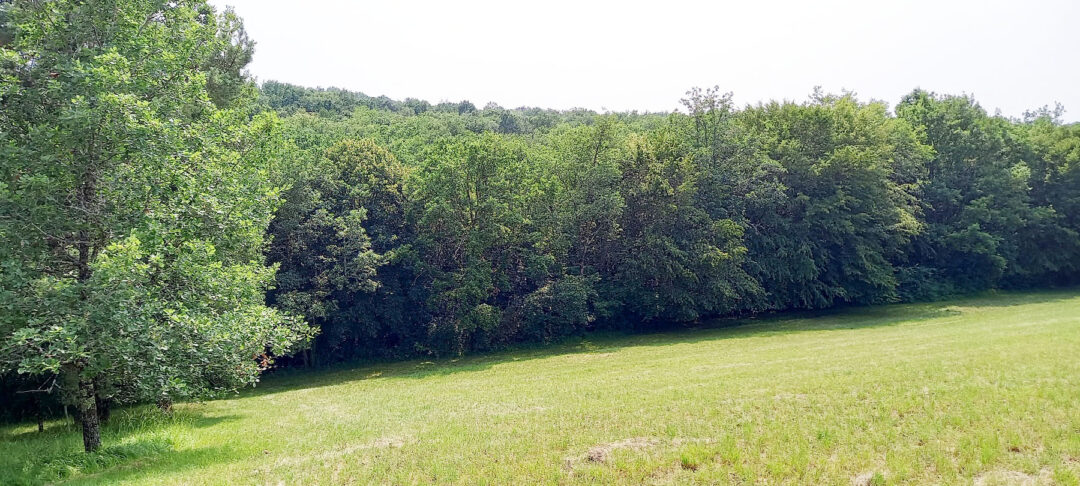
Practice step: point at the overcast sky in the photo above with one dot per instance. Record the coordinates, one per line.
(623, 55)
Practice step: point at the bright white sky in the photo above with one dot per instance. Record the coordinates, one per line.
(624, 55)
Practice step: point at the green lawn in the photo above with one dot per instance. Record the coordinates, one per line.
(983, 390)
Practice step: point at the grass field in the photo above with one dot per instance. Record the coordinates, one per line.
(983, 390)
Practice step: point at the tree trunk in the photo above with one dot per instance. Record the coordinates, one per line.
(103, 410)
(165, 404)
(88, 412)
(40, 413)
(101, 402)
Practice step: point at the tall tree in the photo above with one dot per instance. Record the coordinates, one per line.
(678, 263)
(469, 204)
(975, 198)
(132, 207)
(337, 239)
(828, 219)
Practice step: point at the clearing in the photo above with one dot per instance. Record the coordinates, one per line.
(979, 390)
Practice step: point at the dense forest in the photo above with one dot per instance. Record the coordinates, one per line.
(411, 229)
(169, 228)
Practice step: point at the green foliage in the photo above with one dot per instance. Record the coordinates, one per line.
(476, 244)
(827, 219)
(144, 189)
(338, 239)
(989, 216)
(530, 225)
(132, 208)
(676, 262)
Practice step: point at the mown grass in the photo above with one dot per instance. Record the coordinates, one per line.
(983, 389)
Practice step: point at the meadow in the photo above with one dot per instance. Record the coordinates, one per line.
(978, 390)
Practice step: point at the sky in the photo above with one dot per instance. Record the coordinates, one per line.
(627, 55)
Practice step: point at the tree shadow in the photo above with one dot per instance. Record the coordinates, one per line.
(855, 316)
(114, 463)
(167, 463)
(126, 421)
(789, 322)
(133, 440)
(137, 443)
(998, 298)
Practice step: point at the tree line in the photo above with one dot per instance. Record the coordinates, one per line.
(440, 231)
(170, 229)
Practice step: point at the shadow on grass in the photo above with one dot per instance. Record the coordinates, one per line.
(164, 463)
(137, 443)
(997, 298)
(134, 441)
(840, 318)
(126, 422)
(128, 460)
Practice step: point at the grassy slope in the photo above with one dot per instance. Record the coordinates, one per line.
(982, 389)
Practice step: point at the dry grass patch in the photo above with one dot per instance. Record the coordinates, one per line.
(1014, 478)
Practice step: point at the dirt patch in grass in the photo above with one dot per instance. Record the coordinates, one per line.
(690, 440)
(1013, 478)
(868, 478)
(342, 451)
(384, 442)
(602, 452)
(505, 409)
